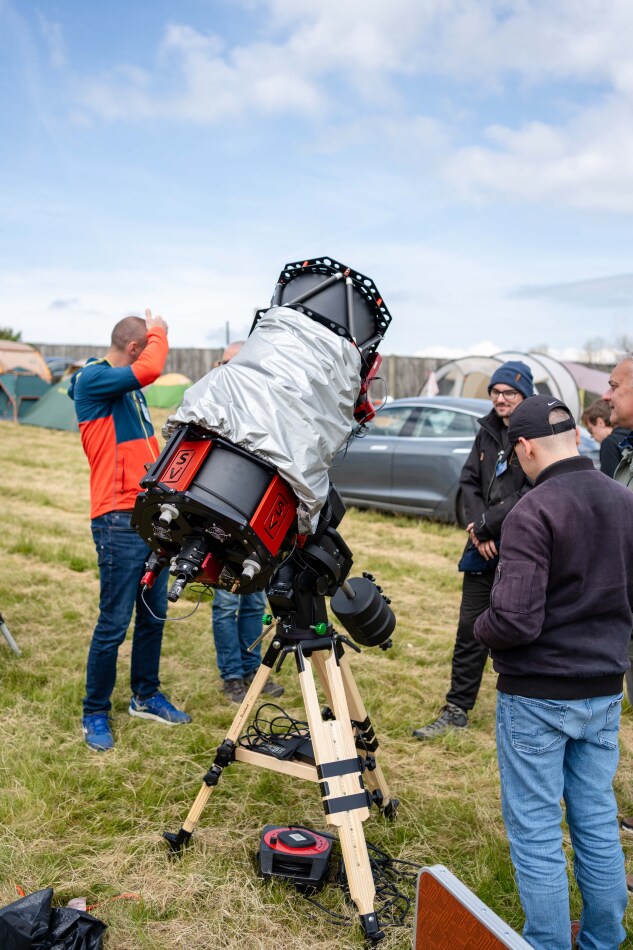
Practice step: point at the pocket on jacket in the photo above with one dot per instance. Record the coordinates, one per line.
(536, 725)
(512, 591)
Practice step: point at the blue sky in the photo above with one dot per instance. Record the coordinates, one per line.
(474, 157)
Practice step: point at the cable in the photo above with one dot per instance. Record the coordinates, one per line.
(205, 587)
(265, 732)
(389, 874)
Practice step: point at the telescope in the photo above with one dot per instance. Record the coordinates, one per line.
(244, 477)
(240, 498)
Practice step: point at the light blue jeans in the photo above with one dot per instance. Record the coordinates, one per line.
(548, 750)
(237, 622)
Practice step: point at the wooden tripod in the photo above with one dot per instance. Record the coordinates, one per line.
(344, 747)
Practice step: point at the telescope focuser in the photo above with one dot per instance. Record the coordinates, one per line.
(186, 566)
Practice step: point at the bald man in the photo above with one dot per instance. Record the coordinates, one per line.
(118, 438)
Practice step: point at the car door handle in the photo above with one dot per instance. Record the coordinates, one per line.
(380, 448)
(460, 451)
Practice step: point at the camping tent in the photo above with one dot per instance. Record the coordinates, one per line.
(24, 358)
(469, 376)
(54, 410)
(18, 391)
(167, 391)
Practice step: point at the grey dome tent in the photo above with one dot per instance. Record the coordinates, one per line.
(469, 377)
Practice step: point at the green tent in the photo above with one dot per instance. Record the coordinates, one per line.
(19, 391)
(54, 410)
(167, 391)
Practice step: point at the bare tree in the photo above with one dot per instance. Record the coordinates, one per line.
(593, 347)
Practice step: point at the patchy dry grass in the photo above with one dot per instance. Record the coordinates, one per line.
(91, 825)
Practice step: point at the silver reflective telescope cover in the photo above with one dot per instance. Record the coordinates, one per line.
(288, 396)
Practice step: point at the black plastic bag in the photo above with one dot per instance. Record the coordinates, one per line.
(30, 923)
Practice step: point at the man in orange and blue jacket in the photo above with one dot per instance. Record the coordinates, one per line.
(118, 439)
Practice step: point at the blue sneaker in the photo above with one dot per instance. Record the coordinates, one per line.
(159, 708)
(97, 732)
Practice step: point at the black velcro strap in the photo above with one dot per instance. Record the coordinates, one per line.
(366, 744)
(334, 769)
(364, 725)
(333, 806)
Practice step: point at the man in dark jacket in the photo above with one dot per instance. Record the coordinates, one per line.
(558, 627)
(490, 489)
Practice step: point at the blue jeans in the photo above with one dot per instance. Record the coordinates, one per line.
(237, 622)
(548, 750)
(122, 555)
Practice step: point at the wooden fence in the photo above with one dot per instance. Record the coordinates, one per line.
(404, 375)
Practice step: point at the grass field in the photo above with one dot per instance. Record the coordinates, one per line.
(90, 825)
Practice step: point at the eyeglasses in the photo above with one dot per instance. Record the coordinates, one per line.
(509, 394)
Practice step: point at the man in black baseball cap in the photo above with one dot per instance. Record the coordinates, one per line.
(531, 419)
(558, 628)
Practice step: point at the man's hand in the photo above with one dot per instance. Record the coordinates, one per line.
(487, 549)
(156, 321)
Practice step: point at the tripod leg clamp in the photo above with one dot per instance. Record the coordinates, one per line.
(223, 757)
(371, 928)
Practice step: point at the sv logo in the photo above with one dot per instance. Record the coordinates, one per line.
(178, 465)
(275, 516)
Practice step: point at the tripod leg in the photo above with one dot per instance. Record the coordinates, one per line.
(224, 755)
(366, 743)
(344, 798)
(4, 630)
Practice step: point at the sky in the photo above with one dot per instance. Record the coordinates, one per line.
(473, 157)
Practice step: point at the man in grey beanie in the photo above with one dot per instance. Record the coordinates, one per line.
(490, 489)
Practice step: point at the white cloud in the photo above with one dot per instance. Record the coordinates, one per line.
(586, 164)
(52, 33)
(571, 52)
(68, 306)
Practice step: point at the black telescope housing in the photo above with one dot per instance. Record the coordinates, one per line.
(340, 298)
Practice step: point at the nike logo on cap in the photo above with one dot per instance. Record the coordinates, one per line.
(552, 403)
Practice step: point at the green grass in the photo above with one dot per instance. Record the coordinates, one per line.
(91, 825)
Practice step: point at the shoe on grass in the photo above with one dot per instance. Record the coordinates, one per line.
(97, 732)
(158, 708)
(626, 824)
(451, 717)
(235, 689)
(271, 688)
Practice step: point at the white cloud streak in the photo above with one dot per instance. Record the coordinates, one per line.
(584, 160)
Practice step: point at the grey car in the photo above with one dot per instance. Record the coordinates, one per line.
(412, 454)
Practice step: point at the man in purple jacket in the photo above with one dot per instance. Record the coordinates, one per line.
(558, 628)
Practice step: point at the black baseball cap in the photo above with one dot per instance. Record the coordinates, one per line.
(530, 419)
